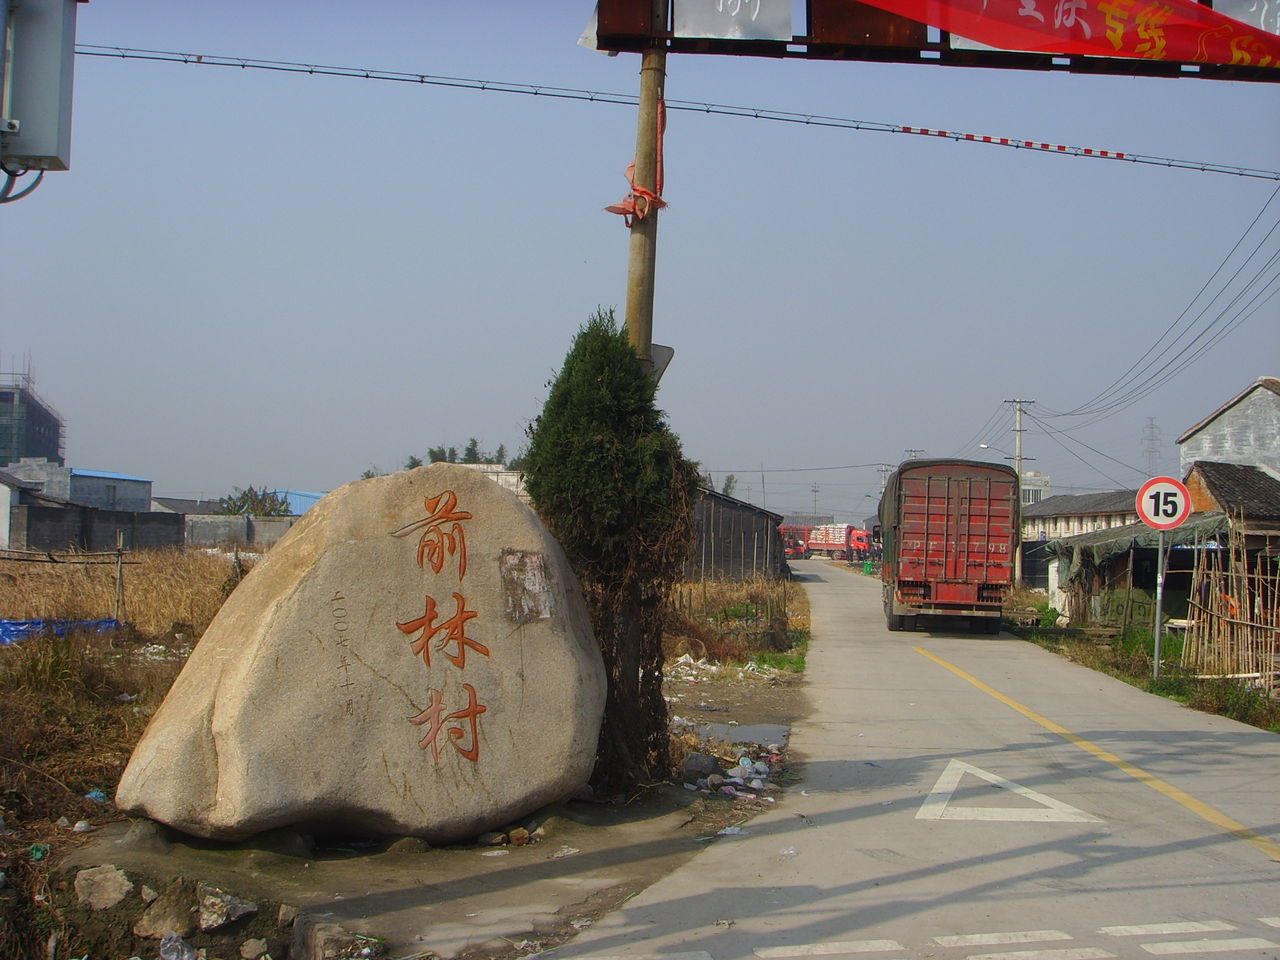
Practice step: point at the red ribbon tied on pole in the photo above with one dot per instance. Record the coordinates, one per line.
(637, 204)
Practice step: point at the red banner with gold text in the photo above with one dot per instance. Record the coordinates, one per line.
(1177, 30)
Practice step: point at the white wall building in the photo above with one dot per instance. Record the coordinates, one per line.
(1244, 430)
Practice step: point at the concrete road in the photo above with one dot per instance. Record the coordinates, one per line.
(969, 796)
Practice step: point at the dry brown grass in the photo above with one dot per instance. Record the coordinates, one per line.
(165, 591)
(731, 621)
(72, 708)
(71, 711)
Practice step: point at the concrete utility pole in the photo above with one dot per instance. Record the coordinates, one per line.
(1017, 466)
(642, 265)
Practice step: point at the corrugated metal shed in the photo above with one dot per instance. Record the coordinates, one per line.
(736, 540)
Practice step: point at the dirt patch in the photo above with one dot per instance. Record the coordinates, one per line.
(581, 859)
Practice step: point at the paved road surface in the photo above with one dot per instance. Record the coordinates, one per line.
(968, 796)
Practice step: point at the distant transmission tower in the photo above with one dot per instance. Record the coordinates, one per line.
(1151, 447)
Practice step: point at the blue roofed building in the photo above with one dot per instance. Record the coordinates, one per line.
(89, 488)
(300, 501)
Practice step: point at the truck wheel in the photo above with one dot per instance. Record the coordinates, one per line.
(993, 625)
(910, 624)
(893, 622)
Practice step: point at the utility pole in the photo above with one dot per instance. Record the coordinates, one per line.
(815, 499)
(1017, 466)
(642, 265)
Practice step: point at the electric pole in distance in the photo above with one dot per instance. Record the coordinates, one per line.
(1017, 466)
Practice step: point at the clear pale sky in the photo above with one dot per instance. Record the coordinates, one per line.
(283, 280)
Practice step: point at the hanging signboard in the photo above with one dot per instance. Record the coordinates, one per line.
(734, 19)
(1224, 39)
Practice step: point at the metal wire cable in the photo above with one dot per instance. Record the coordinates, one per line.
(1260, 298)
(1092, 466)
(983, 431)
(1103, 400)
(596, 96)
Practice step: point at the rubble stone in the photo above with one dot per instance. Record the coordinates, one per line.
(174, 911)
(699, 766)
(101, 888)
(218, 908)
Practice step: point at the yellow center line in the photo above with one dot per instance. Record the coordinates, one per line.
(1198, 807)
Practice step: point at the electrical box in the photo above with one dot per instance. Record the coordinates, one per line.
(37, 84)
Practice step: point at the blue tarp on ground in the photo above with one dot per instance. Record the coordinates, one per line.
(12, 631)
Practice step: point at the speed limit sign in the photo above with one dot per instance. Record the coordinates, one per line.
(1163, 503)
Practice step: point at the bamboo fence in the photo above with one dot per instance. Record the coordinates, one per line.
(1233, 627)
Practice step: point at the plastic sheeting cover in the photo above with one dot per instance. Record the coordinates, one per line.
(13, 631)
(1091, 550)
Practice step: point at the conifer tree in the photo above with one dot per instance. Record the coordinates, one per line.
(608, 477)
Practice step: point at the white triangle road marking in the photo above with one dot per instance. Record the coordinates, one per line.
(937, 805)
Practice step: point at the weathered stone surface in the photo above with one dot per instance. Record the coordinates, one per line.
(218, 908)
(146, 835)
(409, 644)
(316, 939)
(409, 845)
(101, 888)
(252, 949)
(174, 911)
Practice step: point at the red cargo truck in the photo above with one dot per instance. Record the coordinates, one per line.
(949, 531)
(840, 541)
(795, 539)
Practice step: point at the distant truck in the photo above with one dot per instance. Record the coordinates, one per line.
(795, 540)
(949, 530)
(840, 541)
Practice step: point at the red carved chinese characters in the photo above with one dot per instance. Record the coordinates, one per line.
(436, 541)
(435, 719)
(454, 632)
(442, 535)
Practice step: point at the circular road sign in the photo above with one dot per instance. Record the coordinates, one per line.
(1163, 503)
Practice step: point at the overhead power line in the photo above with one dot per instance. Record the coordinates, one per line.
(1054, 436)
(1155, 367)
(758, 470)
(720, 109)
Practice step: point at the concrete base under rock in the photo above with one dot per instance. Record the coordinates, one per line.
(583, 859)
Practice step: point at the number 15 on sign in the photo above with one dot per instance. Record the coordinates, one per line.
(1163, 503)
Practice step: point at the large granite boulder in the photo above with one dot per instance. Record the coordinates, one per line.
(413, 658)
